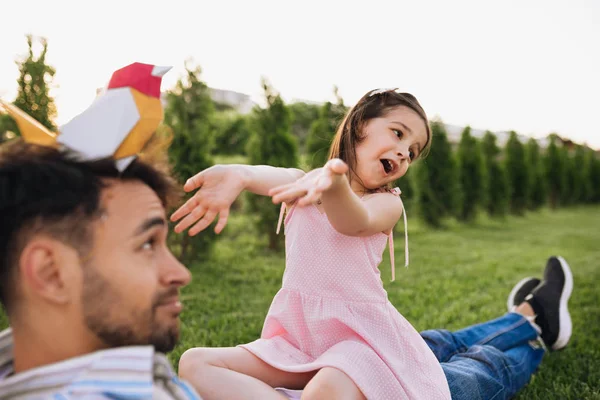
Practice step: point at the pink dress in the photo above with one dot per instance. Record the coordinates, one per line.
(332, 311)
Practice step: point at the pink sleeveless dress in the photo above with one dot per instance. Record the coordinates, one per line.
(332, 311)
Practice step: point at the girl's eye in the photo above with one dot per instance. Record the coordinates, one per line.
(411, 154)
(398, 133)
(149, 244)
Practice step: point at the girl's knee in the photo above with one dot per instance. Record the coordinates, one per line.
(318, 390)
(192, 361)
(331, 383)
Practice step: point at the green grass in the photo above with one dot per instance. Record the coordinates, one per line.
(458, 276)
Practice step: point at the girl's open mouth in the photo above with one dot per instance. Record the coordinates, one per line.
(388, 165)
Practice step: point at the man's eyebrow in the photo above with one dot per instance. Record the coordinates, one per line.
(403, 125)
(149, 224)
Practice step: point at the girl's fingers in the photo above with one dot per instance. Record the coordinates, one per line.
(324, 183)
(192, 217)
(280, 189)
(311, 196)
(299, 183)
(223, 215)
(185, 208)
(305, 201)
(206, 220)
(288, 195)
(194, 182)
(337, 166)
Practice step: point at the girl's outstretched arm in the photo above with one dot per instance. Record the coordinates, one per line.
(353, 216)
(259, 179)
(347, 213)
(219, 186)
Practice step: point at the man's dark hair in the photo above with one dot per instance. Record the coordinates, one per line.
(49, 191)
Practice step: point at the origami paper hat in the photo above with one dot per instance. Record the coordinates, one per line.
(117, 124)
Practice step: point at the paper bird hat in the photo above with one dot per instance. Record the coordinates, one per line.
(117, 124)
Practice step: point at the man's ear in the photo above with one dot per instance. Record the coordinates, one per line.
(46, 270)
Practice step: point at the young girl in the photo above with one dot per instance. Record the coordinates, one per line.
(331, 329)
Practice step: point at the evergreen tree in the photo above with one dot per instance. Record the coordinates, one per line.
(407, 184)
(595, 178)
(537, 181)
(35, 77)
(588, 178)
(567, 193)
(518, 175)
(323, 130)
(580, 175)
(272, 144)
(232, 133)
(429, 206)
(472, 175)
(8, 128)
(436, 179)
(33, 96)
(303, 115)
(555, 172)
(190, 112)
(498, 190)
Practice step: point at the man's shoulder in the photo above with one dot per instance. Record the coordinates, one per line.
(133, 371)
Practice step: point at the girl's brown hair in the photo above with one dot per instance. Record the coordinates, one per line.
(374, 104)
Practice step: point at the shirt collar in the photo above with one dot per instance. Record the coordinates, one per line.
(124, 370)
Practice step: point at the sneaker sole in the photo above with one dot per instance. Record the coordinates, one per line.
(511, 297)
(565, 327)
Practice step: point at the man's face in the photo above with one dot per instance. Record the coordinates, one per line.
(131, 280)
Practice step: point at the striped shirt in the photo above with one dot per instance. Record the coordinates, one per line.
(128, 373)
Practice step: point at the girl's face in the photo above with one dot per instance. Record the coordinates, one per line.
(390, 143)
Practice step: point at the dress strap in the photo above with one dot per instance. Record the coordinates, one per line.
(281, 213)
(398, 192)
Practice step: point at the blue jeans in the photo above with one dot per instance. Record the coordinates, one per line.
(493, 360)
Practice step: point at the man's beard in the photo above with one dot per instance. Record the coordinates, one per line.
(103, 315)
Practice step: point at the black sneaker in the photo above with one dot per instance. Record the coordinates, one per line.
(549, 302)
(520, 291)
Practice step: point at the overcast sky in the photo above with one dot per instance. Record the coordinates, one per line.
(530, 66)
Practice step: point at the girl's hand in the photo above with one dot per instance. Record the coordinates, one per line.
(219, 186)
(309, 188)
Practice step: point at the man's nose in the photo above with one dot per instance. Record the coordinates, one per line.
(175, 273)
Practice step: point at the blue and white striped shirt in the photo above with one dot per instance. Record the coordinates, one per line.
(131, 373)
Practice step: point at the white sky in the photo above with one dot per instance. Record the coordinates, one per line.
(528, 65)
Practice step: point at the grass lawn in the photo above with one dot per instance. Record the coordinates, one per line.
(458, 276)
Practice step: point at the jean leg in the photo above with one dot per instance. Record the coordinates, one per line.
(484, 372)
(506, 332)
